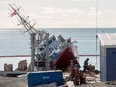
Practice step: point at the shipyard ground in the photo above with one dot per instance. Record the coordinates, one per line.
(22, 82)
(13, 82)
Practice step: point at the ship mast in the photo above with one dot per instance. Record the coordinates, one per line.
(36, 36)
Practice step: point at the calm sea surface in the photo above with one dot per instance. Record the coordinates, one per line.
(15, 42)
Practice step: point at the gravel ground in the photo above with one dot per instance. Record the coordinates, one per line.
(22, 82)
(13, 82)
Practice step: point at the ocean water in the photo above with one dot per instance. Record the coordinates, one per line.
(16, 42)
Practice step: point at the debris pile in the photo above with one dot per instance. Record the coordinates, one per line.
(8, 67)
(22, 65)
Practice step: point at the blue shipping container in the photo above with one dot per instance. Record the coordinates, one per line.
(107, 56)
(45, 77)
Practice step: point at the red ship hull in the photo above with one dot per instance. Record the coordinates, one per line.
(62, 61)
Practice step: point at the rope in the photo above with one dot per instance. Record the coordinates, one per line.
(96, 30)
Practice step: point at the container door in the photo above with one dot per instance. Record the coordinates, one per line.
(111, 64)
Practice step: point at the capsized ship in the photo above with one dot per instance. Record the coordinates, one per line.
(46, 50)
(61, 52)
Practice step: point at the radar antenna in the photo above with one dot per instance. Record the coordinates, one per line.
(22, 19)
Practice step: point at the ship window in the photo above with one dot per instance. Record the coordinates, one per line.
(50, 41)
(53, 39)
(41, 49)
(44, 45)
(42, 54)
(50, 49)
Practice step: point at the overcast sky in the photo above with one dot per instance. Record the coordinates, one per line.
(62, 13)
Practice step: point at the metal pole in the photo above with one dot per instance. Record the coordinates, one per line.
(47, 51)
(39, 41)
(32, 51)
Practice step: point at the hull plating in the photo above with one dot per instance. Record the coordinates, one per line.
(62, 61)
